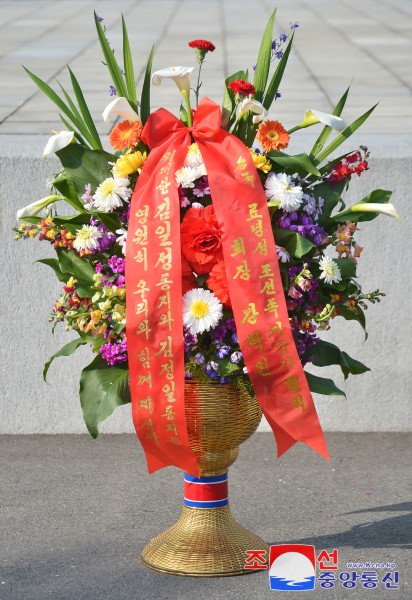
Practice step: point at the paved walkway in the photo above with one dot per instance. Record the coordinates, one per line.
(76, 513)
(370, 41)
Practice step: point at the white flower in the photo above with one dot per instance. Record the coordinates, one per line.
(87, 238)
(31, 210)
(279, 187)
(111, 193)
(121, 240)
(315, 116)
(283, 254)
(58, 141)
(186, 176)
(197, 205)
(193, 158)
(201, 310)
(120, 106)
(384, 209)
(330, 270)
(180, 75)
(254, 106)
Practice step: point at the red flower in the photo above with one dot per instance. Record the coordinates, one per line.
(201, 240)
(188, 279)
(217, 282)
(202, 45)
(362, 166)
(242, 87)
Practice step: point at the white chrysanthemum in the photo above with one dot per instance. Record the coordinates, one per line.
(201, 310)
(283, 254)
(280, 187)
(87, 238)
(186, 176)
(193, 158)
(330, 270)
(112, 193)
(121, 239)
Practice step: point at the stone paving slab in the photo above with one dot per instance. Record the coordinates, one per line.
(337, 40)
(75, 514)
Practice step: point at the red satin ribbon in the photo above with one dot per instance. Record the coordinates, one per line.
(154, 291)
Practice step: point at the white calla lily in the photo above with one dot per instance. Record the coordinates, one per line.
(254, 106)
(120, 106)
(312, 117)
(384, 209)
(180, 75)
(31, 210)
(58, 141)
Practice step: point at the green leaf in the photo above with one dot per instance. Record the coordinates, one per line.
(67, 350)
(128, 68)
(321, 385)
(145, 98)
(325, 354)
(344, 135)
(349, 315)
(226, 367)
(87, 118)
(82, 166)
(50, 93)
(111, 62)
(263, 61)
(300, 163)
(326, 131)
(54, 264)
(375, 197)
(332, 195)
(67, 189)
(80, 268)
(347, 267)
(110, 220)
(102, 389)
(295, 244)
(277, 77)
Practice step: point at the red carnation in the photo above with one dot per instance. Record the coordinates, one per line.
(201, 239)
(242, 87)
(217, 282)
(202, 45)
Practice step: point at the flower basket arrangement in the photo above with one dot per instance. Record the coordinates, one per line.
(199, 262)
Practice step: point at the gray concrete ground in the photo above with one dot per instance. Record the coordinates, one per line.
(75, 514)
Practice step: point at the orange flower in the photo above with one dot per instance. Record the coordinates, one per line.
(200, 237)
(217, 282)
(125, 134)
(272, 135)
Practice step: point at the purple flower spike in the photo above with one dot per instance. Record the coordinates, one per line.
(112, 90)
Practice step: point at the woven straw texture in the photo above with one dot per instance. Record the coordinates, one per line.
(209, 542)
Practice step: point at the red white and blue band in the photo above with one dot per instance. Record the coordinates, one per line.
(206, 492)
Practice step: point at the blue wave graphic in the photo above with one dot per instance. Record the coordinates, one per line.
(280, 583)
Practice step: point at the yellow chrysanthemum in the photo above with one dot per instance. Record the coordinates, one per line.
(129, 163)
(261, 162)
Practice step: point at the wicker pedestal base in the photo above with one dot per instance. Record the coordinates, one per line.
(203, 543)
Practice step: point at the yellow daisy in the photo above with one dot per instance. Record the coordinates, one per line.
(129, 163)
(261, 162)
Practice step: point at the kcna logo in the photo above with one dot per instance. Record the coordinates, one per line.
(292, 567)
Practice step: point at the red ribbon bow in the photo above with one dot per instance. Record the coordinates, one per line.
(154, 291)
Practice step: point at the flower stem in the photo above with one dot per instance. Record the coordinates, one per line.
(185, 95)
(198, 83)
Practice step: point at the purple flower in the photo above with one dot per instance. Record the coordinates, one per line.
(100, 19)
(278, 95)
(254, 67)
(283, 37)
(234, 338)
(120, 281)
(98, 267)
(279, 54)
(112, 90)
(115, 352)
(236, 357)
(223, 380)
(188, 375)
(223, 351)
(189, 340)
(212, 369)
(230, 324)
(274, 44)
(199, 359)
(219, 332)
(294, 25)
(106, 240)
(117, 264)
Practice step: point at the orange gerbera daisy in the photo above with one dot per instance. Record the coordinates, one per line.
(272, 136)
(125, 134)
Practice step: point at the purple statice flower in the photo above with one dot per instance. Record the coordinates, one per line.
(115, 352)
(212, 369)
(219, 332)
(120, 281)
(87, 197)
(236, 357)
(199, 359)
(117, 264)
(98, 267)
(283, 37)
(279, 54)
(294, 25)
(112, 90)
(100, 19)
(188, 375)
(223, 351)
